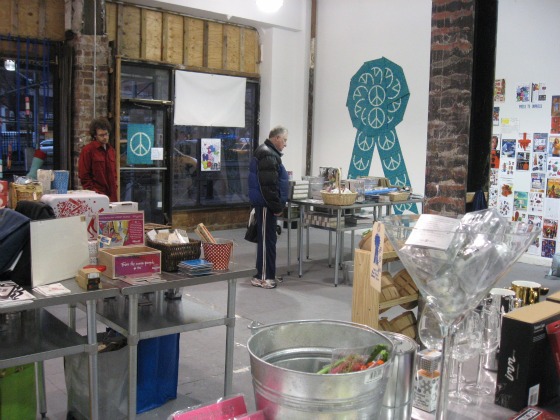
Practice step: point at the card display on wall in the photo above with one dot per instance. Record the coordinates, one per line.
(524, 182)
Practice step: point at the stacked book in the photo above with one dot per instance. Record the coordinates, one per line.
(354, 220)
(321, 219)
(299, 190)
(13, 294)
(195, 268)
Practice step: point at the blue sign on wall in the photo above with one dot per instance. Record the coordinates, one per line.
(139, 145)
(377, 99)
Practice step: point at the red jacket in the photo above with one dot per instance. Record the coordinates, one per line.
(97, 169)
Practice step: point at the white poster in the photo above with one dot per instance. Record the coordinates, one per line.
(209, 100)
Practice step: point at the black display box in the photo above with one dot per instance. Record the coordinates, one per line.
(526, 371)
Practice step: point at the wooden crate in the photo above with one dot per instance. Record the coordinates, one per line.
(367, 303)
(130, 260)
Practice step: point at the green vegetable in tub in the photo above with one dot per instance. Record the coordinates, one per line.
(333, 365)
(379, 352)
(351, 363)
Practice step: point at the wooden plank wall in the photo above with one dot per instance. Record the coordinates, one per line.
(197, 44)
(36, 19)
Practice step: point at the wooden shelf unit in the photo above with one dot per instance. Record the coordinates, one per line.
(365, 299)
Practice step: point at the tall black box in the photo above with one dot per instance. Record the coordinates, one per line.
(526, 371)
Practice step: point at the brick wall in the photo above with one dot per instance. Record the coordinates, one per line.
(450, 94)
(90, 88)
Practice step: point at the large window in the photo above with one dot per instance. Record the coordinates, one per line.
(26, 105)
(211, 164)
(143, 138)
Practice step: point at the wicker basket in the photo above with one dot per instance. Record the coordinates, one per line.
(399, 196)
(385, 325)
(406, 287)
(155, 226)
(405, 324)
(388, 290)
(339, 199)
(173, 254)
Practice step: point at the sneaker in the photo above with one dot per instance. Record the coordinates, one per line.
(265, 284)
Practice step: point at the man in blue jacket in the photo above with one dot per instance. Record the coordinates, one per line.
(268, 193)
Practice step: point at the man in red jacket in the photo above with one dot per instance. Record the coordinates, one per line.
(97, 168)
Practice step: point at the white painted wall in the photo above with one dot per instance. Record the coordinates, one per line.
(349, 34)
(528, 51)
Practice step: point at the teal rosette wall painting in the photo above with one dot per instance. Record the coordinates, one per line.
(377, 100)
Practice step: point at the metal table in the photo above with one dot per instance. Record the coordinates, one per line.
(170, 317)
(32, 334)
(339, 229)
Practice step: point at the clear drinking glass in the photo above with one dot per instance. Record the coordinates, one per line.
(455, 263)
(466, 345)
(429, 328)
(489, 341)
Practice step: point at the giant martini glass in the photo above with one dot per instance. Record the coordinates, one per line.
(455, 263)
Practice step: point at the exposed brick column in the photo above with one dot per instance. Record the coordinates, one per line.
(451, 65)
(85, 89)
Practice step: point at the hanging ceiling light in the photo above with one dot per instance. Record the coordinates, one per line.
(10, 65)
(269, 6)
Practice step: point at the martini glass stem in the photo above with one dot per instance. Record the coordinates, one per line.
(479, 370)
(443, 398)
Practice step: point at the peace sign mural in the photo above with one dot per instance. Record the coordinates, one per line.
(377, 99)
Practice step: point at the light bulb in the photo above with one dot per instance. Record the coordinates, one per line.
(269, 6)
(10, 65)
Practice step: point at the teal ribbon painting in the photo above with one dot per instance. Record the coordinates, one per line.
(377, 99)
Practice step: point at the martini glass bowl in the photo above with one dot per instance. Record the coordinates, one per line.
(455, 263)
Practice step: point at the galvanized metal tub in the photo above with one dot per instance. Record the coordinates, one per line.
(399, 393)
(286, 356)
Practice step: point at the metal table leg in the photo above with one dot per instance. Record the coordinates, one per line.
(338, 240)
(92, 342)
(289, 242)
(40, 388)
(230, 338)
(300, 234)
(307, 238)
(330, 247)
(72, 316)
(132, 354)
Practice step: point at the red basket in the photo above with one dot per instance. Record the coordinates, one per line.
(219, 253)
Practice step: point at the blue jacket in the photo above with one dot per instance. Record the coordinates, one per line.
(268, 179)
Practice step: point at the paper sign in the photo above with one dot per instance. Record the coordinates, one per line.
(433, 231)
(376, 261)
(157, 153)
(124, 229)
(59, 248)
(210, 153)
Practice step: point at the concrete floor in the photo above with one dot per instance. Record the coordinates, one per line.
(202, 353)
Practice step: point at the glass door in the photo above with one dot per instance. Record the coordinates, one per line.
(143, 142)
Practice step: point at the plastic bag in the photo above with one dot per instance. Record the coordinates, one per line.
(252, 234)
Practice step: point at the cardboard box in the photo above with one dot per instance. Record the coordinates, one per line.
(555, 297)
(89, 273)
(534, 413)
(88, 284)
(77, 203)
(526, 371)
(130, 260)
